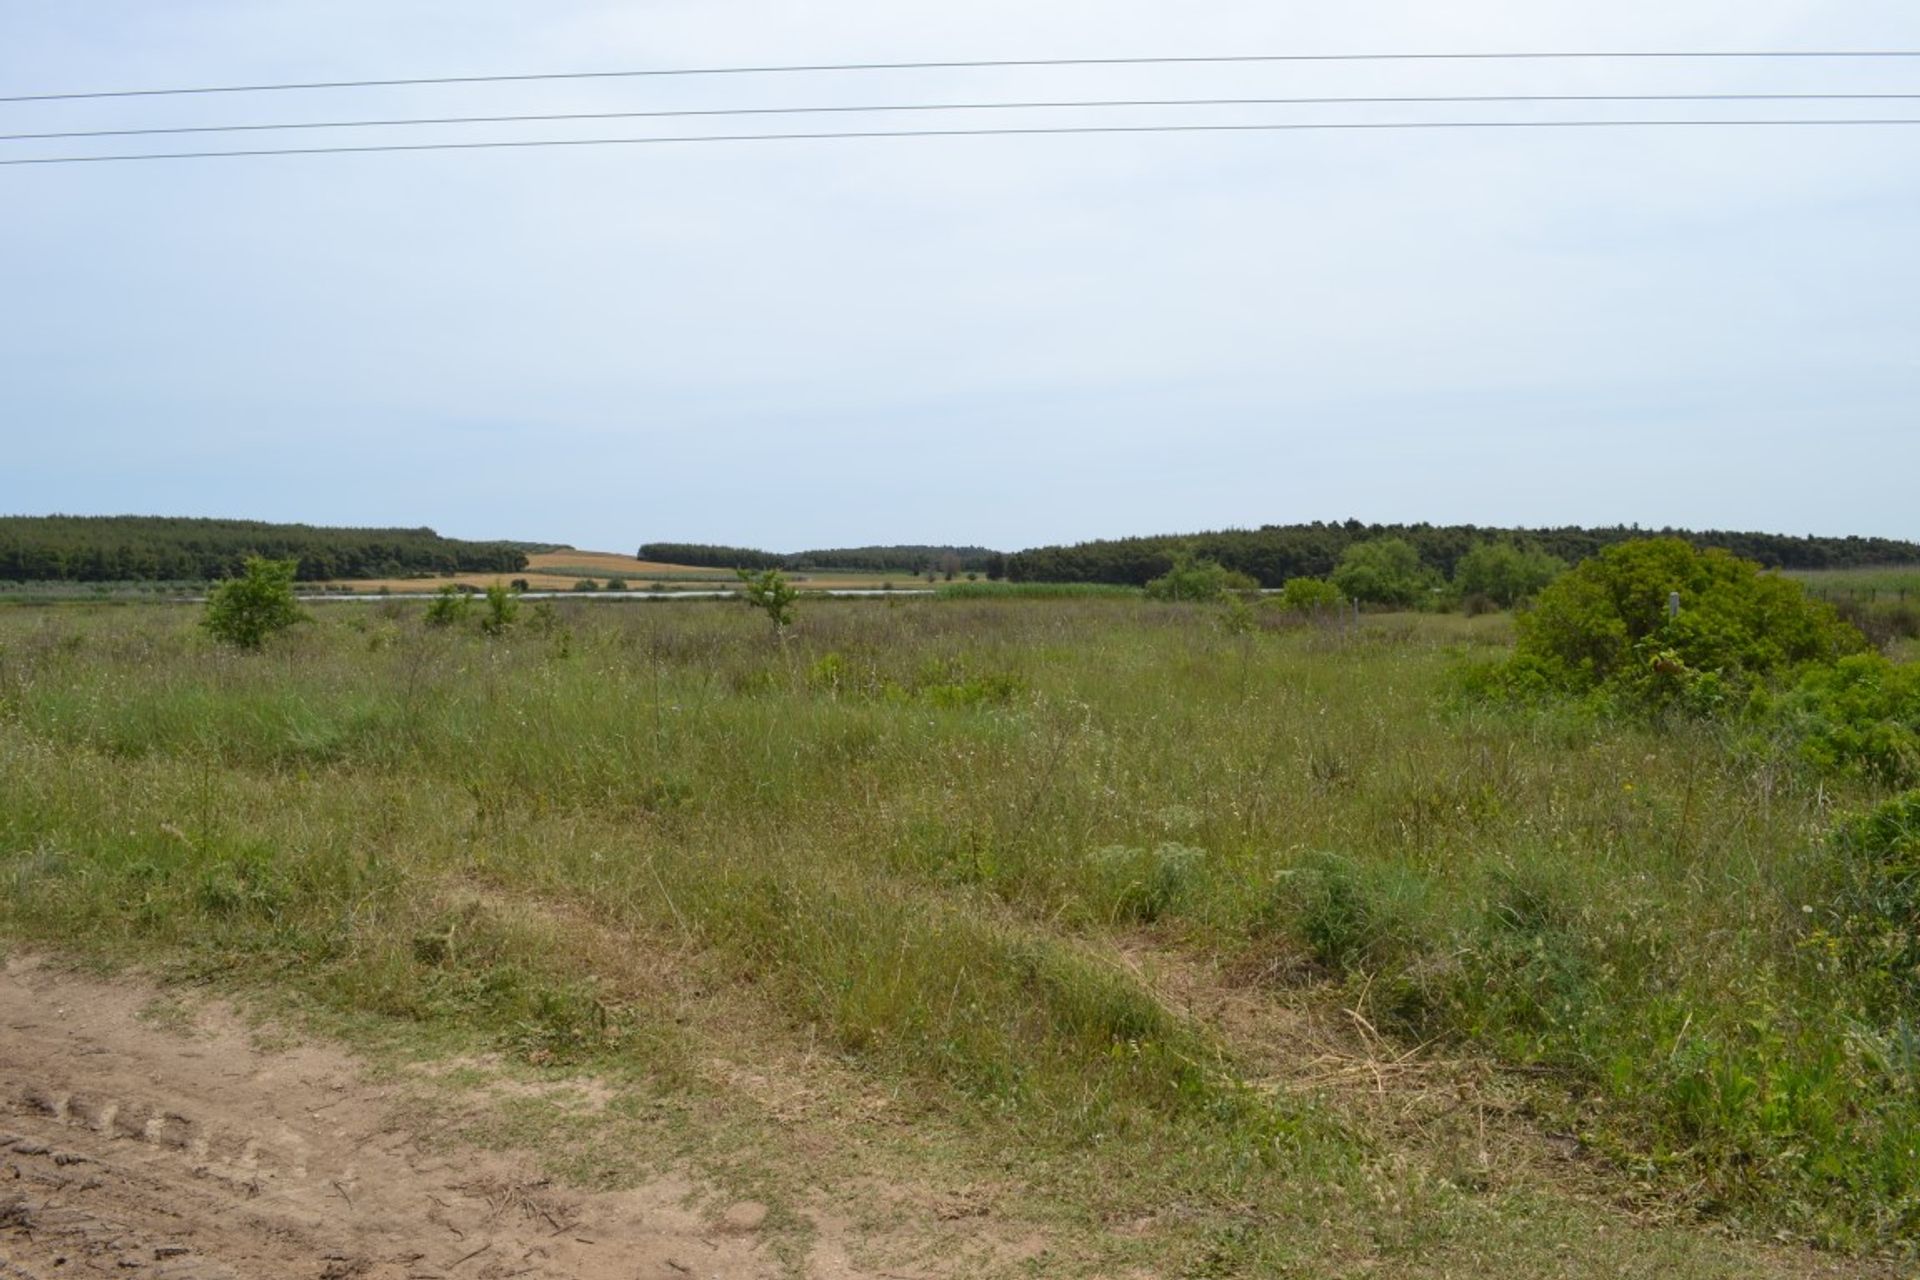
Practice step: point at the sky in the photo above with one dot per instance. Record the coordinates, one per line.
(1006, 341)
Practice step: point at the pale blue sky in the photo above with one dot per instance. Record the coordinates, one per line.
(1005, 341)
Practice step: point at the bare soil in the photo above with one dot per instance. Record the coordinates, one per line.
(134, 1148)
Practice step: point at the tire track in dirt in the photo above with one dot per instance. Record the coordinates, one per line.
(134, 1151)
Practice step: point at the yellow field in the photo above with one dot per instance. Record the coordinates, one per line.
(559, 570)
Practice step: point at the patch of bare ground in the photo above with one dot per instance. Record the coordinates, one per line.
(139, 1150)
(875, 1178)
(1429, 1115)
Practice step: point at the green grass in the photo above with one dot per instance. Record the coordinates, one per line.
(1035, 591)
(933, 839)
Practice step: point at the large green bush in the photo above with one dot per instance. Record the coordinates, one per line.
(244, 611)
(1505, 572)
(1859, 716)
(1384, 571)
(1197, 579)
(1605, 625)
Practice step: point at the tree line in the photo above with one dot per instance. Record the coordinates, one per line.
(903, 558)
(1273, 554)
(162, 548)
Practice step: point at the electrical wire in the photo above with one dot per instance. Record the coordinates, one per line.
(1292, 127)
(1095, 104)
(979, 65)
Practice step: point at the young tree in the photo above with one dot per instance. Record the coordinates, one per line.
(502, 609)
(1197, 579)
(1383, 571)
(1505, 572)
(1309, 595)
(771, 593)
(244, 611)
(450, 605)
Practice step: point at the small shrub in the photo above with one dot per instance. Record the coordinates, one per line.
(616, 584)
(1197, 579)
(502, 609)
(244, 611)
(1860, 716)
(1308, 595)
(1384, 571)
(770, 593)
(1870, 924)
(585, 584)
(450, 607)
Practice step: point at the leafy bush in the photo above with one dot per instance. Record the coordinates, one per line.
(244, 611)
(1859, 716)
(1605, 625)
(1197, 579)
(1384, 571)
(1308, 595)
(450, 607)
(502, 609)
(1504, 572)
(1870, 924)
(770, 593)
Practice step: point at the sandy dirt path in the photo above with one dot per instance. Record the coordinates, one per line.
(142, 1151)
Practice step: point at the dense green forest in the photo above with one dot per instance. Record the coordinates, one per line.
(1272, 554)
(164, 548)
(891, 559)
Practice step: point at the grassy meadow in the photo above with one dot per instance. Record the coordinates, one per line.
(1184, 948)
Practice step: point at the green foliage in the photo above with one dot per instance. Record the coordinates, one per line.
(770, 593)
(991, 590)
(161, 548)
(502, 610)
(1143, 884)
(1193, 578)
(244, 611)
(1505, 572)
(1308, 595)
(1274, 553)
(1384, 571)
(879, 559)
(1860, 716)
(450, 606)
(1605, 625)
(616, 584)
(1870, 922)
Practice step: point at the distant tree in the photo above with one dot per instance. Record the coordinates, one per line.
(585, 584)
(244, 611)
(1383, 571)
(1505, 572)
(616, 584)
(520, 584)
(1192, 578)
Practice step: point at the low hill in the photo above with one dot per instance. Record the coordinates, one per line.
(1273, 553)
(165, 548)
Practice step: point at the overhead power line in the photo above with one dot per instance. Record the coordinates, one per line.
(977, 65)
(1093, 104)
(1292, 127)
